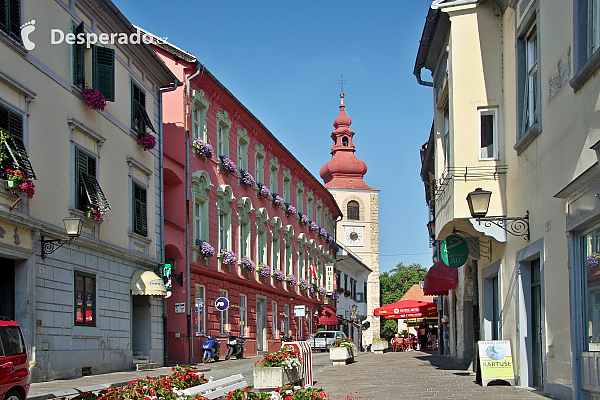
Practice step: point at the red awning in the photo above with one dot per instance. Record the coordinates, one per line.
(439, 279)
(403, 307)
(327, 317)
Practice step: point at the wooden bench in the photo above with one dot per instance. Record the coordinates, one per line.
(218, 388)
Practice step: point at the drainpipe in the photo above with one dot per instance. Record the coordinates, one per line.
(190, 328)
(162, 207)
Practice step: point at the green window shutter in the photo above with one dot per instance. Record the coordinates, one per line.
(93, 191)
(79, 59)
(11, 122)
(140, 212)
(138, 109)
(89, 191)
(104, 71)
(16, 149)
(14, 19)
(4, 15)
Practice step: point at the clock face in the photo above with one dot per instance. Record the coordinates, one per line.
(354, 236)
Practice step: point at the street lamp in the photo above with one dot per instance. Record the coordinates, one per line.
(73, 227)
(431, 228)
(479, 202)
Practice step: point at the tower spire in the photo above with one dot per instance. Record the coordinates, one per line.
(343, 170)
(341, 83)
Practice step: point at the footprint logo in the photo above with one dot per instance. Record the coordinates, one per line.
(26, 30)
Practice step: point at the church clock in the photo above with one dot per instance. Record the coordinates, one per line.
(354, 236)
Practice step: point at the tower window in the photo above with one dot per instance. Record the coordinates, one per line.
(353, 210)
(345, 141)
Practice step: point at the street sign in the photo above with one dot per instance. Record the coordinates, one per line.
(179, 308)
(299, 311)
(222, 303)
(455, 251)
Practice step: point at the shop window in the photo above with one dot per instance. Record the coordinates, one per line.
(85, 299)
(200, 310)
(243, 315)
(591, 244)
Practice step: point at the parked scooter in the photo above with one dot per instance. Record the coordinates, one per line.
(212, 348)
(235, 347)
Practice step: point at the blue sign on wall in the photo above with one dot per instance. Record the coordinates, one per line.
(222, 303)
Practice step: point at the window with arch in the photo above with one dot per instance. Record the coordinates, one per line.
(287, 180)
(309, 205)
(200, 187)
(243, 141)
(301, 261)
(224, 200)
(199, 111)
(245, 208)
(274, 175)
(345, 141)
(318, 217)
(223, 127)
(300, 197)
(353, 210)
(259, 163)
(261, 235)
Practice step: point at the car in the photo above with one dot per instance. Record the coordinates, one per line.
(322, 340)
(14, 367)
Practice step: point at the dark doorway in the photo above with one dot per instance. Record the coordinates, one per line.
(7, 288)
(536, 324)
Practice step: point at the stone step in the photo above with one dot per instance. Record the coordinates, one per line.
(146, 366)
(141, 360)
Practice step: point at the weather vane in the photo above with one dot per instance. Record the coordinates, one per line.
(341, 83)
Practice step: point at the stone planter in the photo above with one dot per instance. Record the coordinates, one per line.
(342, 355)
(379, 346)
(274, 377)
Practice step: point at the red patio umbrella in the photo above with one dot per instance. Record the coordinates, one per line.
(405, 307)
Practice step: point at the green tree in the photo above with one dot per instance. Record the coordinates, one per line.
(393, 285)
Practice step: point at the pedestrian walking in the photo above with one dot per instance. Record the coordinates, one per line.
(422, 333)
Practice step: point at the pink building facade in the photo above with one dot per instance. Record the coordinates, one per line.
(259, 203)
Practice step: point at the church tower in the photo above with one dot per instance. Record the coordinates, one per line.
(359, 229)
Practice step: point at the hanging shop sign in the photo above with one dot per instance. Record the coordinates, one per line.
(329, 278)
(222, 303)
(495, 360)
(455, 251)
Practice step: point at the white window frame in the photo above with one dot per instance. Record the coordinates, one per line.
(274, 178)
(531, 105)
(301, 262)
(244, 239)
(274, 322)
(225, 231)
(493, 111)
(223, 127)
(309, 205)
(287, 319)
(199, 111)
(200, 299)
(243, 141)
(275, 252)
(223, 315)
(288, 258)
(300, 199)
(318, 216)
(243, 315)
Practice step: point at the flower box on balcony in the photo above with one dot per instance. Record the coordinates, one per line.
(274, 377)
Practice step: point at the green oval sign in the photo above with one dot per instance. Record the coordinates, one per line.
(455, 251)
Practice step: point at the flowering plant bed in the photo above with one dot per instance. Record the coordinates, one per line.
(148, 142)
(264, 270)
(247, 264)
(345, 342)
(245, 178)
(17, 180)
(593, 260)
(97, 213)
(206, 250)
(303, 219)
(286, 392)
(94, 99)
(164, 387)
(291, 280)
(263, 191)
(229, 257)
(203, 148)
(278, 200)
(303, 284)
(227, 164)
(322, 233)
(290, 209)
(329, 239)
(313, 226)
(322, 291)
(284, 358)
(314, 288)
(335, 297)
(278, 275)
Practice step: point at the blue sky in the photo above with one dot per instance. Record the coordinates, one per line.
(283, 60)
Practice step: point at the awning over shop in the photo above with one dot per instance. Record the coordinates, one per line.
(147, 283)
(439, 279)
(327, 317)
